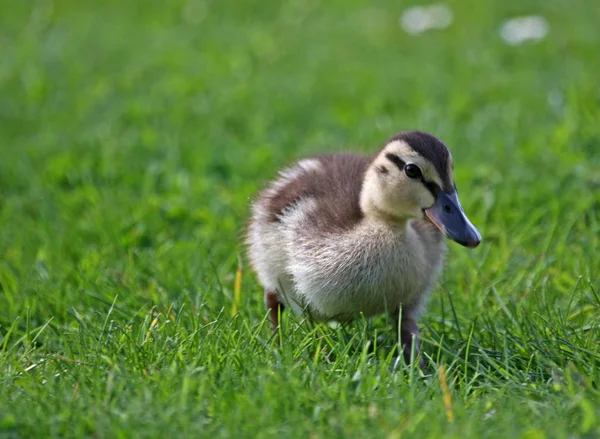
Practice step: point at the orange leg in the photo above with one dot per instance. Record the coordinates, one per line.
(275, 307)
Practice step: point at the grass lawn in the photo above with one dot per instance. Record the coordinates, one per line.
(132, 137)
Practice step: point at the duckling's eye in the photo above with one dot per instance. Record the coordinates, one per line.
(413, 171)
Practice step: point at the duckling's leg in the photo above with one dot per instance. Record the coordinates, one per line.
(275, 307)
(409, 336)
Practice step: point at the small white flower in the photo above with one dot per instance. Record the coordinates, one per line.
(418, 19)
(521, 29)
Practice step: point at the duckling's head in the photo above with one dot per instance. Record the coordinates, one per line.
(411, 177)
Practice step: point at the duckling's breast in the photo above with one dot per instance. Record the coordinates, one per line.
(371, 269)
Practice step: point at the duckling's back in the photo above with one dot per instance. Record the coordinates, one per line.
(332, 181)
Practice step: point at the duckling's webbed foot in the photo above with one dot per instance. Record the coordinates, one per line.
(275, 307)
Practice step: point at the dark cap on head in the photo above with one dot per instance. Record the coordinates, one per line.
(432, 149)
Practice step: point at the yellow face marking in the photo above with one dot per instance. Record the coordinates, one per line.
(409, 155)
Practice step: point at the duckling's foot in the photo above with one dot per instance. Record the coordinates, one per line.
(409, 337)
(275, 307)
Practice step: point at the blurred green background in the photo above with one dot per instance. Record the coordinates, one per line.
(132, 138)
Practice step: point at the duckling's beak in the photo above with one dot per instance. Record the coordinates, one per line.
(448, 216)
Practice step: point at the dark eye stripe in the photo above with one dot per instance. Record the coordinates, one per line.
(433, 188)
(395, 160)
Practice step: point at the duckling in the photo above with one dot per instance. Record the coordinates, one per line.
(340, 235)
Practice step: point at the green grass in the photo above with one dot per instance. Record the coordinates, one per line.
(132, 135)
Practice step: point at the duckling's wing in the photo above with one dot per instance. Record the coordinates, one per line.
(331, 184)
